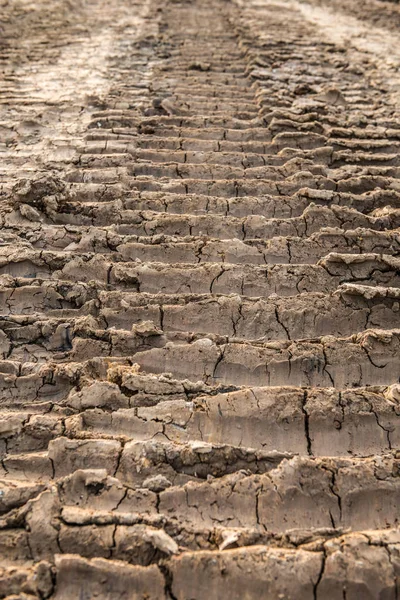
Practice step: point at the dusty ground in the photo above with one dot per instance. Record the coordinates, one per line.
(200, 299)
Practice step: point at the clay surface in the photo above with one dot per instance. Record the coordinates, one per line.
(199, 300)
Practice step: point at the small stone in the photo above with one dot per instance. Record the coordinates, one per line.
(157, 483)
(162, 541)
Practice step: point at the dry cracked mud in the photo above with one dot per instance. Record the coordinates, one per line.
(199, 300)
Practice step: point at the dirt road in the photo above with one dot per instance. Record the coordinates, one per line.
(200, 300)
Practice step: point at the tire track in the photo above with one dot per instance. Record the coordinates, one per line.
(199, 289)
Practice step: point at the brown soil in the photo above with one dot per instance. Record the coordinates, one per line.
(200, 299)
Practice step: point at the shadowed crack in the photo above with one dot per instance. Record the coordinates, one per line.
(306, 424)
(320, 575)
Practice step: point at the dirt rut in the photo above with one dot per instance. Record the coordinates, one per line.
(200, 299)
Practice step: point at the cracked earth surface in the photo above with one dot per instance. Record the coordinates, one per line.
(200, 299)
